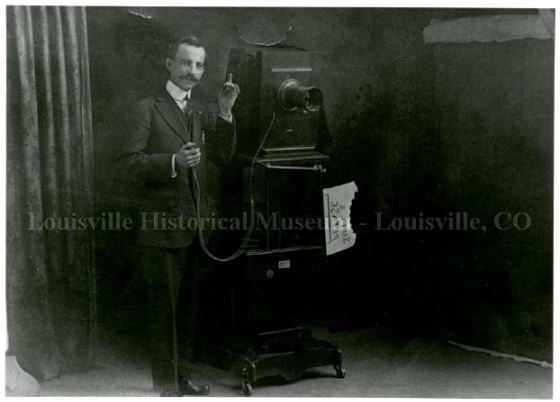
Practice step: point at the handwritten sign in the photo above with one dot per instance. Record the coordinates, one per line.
(338, 227)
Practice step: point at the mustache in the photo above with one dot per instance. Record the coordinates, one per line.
(189, 77)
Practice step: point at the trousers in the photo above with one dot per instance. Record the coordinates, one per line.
(171, 282)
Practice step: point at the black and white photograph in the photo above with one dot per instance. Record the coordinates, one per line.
(278, 200)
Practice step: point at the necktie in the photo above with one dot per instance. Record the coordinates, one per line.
(188, 111)
(188, 106)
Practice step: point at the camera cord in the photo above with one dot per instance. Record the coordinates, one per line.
(251, 227)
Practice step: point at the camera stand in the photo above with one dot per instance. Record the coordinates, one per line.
(269, 285)
(287, 353)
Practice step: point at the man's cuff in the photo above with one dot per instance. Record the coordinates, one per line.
(173, 170)
(228, 119)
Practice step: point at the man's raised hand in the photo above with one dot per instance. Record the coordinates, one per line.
(227, 96)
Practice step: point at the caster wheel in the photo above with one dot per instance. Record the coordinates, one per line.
(247, 388)
(340, 372)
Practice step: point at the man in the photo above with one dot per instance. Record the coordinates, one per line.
(170, 141)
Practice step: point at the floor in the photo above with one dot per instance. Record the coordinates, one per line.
(377, 365)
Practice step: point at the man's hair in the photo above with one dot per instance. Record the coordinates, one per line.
(174, 45)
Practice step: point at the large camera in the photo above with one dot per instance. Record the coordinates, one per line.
(281, 125)
(280, 83)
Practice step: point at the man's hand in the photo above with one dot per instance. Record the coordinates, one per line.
(227, 97)
(188, 156)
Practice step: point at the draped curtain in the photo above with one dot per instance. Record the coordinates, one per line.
(50, 273)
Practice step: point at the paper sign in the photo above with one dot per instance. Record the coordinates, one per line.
(283, 264)
(338, 227)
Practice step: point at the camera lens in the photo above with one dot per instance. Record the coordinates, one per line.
(292, 95)
(313, 99)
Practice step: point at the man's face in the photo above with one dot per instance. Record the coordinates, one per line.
(187, 67)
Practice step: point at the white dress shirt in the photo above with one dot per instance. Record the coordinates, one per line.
(179, 95)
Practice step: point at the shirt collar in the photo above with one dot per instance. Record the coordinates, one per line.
(176, 92)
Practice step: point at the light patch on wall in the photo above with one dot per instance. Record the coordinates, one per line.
(494, 28)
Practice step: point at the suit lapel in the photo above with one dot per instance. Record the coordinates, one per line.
(171, 113)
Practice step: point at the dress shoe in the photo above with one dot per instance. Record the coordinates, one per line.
(188, 388)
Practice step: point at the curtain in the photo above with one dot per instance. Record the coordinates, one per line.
(50, 270)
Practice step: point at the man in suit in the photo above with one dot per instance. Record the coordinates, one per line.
(165, 160)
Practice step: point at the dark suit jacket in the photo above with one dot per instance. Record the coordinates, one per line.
(158, 129)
